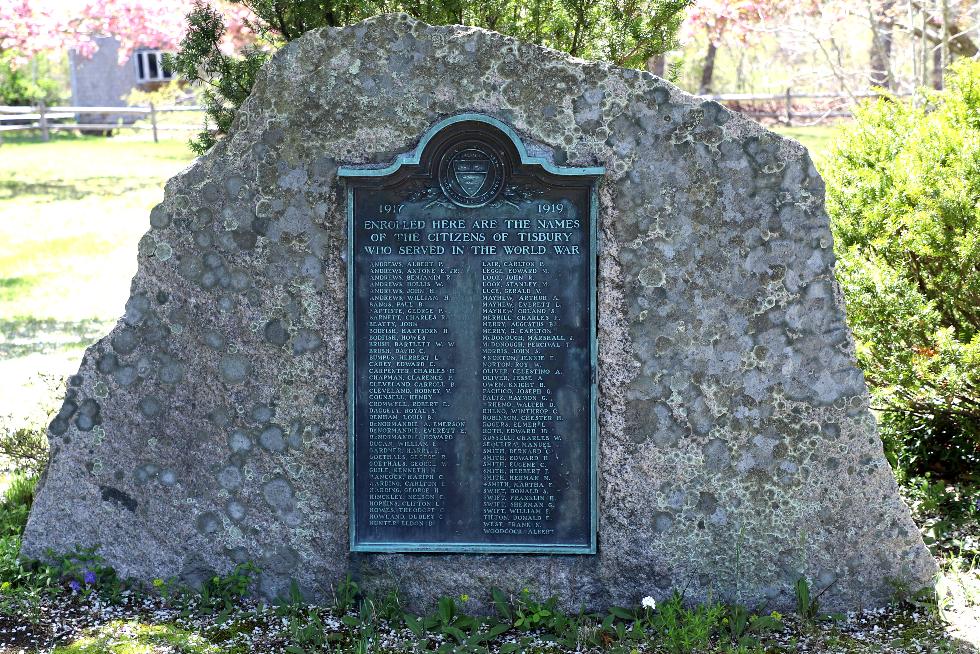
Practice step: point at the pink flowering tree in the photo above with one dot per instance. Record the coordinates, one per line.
(161, 25)
(32, 27)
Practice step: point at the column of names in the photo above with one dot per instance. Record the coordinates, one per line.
(407, 383)
(519, 415)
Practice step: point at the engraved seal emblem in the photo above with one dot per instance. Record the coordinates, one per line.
(471, 174)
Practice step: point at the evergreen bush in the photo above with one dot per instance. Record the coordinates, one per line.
(903, 189)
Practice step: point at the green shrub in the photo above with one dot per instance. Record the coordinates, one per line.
(16, 504)
(948, 515)
(903, 188)
(42, 79)
(23, 448)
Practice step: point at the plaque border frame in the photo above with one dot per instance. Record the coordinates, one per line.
(414, 158)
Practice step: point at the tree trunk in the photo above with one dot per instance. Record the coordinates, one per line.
(881, 46)
(937, 68)
(708, 72)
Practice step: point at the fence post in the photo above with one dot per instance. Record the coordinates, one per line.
(153, 122)
(789, 107)
(43, 121)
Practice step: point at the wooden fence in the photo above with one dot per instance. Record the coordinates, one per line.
(787, 108)
(790, 108)
(47, 119)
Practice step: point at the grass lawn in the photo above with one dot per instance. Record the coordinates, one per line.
(818, 139)
(71, 213)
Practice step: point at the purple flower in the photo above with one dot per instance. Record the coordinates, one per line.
(89, 577)
(74, 585)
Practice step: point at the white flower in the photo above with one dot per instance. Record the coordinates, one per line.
(649, 603)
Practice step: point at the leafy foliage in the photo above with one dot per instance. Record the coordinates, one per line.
(168, 93)
(224, 592)
(904, 192)
(227, 79)
(24, 448)
(742, 627)
(16, 504)
(42, 81)
(627, 32)
(684, 629)
(346, 594)
(948, 516)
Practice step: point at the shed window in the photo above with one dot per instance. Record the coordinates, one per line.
(150, 68)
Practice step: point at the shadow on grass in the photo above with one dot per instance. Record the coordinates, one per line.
(25, 335)
(73, 189)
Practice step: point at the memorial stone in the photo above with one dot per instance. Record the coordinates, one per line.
(449, 311)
